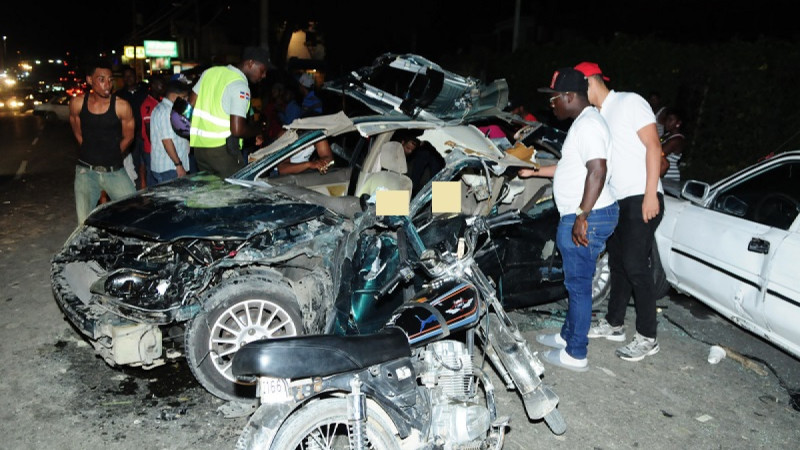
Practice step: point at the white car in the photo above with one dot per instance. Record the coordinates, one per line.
(56, 108)
(733, 245)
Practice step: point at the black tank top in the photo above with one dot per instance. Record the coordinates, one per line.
(102, 134)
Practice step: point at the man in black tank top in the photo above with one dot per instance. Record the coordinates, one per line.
(103, 125)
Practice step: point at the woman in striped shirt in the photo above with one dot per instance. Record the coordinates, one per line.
(672, 143)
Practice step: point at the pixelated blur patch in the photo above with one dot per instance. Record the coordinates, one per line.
(446, 197)
(392, 203)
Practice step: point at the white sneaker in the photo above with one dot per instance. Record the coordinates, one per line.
(561, 358)
(551, 340)
(603, 329)
(638, 348)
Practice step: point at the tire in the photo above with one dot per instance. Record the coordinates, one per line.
(659, 277)
(601, 282)
(328, 418)
(235, 312)
(555, 421)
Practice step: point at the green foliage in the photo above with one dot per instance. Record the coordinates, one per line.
(738, 97)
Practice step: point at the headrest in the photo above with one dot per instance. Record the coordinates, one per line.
(392, 157)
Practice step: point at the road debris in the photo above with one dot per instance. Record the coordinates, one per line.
(746, 362)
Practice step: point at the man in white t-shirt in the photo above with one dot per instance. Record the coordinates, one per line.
(636, 184)
(587, 208)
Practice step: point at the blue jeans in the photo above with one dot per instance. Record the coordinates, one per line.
(149, 173)
(89, 184)
(579, 266)
(161, 177)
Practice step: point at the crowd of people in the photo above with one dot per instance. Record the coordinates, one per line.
(607, 184)
(129, 140)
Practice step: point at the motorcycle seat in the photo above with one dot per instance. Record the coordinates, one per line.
(318, 355)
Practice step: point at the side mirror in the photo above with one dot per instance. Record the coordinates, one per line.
(695, 191)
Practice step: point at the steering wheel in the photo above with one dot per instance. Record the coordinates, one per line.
(776, 209)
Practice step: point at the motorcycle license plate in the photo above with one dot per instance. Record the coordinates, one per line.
(274, 390)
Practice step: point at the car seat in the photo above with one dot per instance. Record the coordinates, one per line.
(392, 176)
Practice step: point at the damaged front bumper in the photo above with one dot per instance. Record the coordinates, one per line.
(123, 312)
(119, 340)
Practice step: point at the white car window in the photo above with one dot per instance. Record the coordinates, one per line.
(771, 197)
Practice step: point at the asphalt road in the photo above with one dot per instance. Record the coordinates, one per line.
(55, 394)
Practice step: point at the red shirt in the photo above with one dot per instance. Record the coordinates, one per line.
(148, 105)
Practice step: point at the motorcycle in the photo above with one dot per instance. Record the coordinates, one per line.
(418, 383)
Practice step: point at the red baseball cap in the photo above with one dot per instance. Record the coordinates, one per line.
(589, 68)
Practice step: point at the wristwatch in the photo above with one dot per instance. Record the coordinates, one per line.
(179, 163)
(579, 212)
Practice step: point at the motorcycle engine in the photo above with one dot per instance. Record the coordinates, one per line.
(457, 417)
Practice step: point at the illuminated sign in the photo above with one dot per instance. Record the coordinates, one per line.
(129, 49)
(161, 48)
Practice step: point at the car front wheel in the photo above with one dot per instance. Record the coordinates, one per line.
(235, 312)
(601, 283)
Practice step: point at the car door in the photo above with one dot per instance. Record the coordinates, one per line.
(723, 253)
(782, 297)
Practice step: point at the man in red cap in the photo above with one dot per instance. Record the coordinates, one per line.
(587, 209)
(636, 184)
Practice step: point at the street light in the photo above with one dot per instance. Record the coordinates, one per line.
(5, 38)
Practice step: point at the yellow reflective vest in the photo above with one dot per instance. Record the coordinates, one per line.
(211, 125)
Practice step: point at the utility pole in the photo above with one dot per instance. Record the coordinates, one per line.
(264, 25)
(515, 36)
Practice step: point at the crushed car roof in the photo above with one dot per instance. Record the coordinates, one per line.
(411, 85)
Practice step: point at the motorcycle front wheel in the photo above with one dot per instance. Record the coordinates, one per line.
(323, 425)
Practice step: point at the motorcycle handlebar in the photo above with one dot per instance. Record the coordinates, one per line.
(480, 225)
(405, 273)
(509, 217)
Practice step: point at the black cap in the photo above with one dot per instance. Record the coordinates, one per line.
(258, 54)
(567, 79)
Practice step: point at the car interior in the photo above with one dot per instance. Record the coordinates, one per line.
(356, 172)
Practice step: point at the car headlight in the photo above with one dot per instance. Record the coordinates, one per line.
(129, 283)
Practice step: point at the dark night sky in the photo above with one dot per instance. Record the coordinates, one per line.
(91, 26)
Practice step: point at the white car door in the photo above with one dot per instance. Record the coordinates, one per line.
(736, 252)
(782, 298)
(711, 261)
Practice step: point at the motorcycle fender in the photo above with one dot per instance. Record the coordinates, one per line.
(263, 425)
(523, 367)
(539, 402)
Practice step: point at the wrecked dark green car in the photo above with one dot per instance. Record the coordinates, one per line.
(199, 266)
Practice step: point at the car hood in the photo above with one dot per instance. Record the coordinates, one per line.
(413, 86)
(203, 206)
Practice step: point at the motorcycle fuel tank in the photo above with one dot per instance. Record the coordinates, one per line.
(435, 313)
